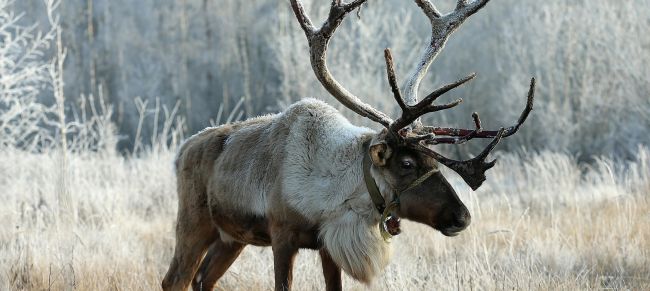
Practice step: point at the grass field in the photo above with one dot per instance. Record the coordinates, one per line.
(540, 223)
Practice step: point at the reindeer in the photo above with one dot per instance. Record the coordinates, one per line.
(308, 178)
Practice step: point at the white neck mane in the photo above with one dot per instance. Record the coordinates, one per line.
(324, 182)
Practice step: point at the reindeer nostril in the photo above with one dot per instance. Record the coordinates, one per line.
(463, 219)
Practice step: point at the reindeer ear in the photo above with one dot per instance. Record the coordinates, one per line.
(380, 153)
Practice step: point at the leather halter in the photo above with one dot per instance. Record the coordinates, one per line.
(371, 185)
(378, 199)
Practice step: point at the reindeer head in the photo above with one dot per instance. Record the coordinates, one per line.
(403, 155)
(414, 178)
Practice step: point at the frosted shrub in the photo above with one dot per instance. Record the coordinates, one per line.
(23, 75)
(33, 109)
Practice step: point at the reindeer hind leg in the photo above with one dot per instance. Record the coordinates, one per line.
(221, 255)
(194, 234)
(190, 248)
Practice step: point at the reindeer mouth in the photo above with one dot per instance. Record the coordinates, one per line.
(451, 231)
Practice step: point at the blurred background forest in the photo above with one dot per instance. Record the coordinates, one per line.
(228, 57)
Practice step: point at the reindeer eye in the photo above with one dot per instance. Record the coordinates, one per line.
(407, 165)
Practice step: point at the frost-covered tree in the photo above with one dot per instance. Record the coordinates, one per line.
(591, 59)
(23, 74)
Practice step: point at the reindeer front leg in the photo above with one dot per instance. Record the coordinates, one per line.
(331, 272)
(285, 249)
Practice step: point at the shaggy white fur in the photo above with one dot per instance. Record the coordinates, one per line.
(323, 181)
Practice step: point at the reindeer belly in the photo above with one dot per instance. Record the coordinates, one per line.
(240, 224)
(255, 230)
(249, 229)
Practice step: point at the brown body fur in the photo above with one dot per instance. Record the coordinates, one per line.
(204, 223)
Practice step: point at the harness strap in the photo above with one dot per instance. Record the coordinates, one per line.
(421, 179)
(378, 199)
(373, 190)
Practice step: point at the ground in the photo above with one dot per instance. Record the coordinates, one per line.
(541, 222)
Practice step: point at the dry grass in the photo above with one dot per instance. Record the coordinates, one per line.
(541, 223)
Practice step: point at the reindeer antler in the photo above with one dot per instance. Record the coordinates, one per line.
(410, 113)
(442, 26)
(473, 170)
(318, 40)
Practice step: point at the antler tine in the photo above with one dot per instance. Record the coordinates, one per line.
(303, 18)
(477, 121)
(446, 131)
(470, 8)
(442, 26)
(318, 39)
(392, 79)
(473, 170)
(433, 140)
(527, 110)
(411, 113)
(446, 88)
(428, 8)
